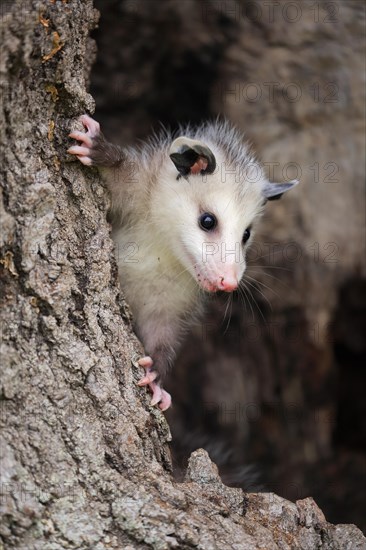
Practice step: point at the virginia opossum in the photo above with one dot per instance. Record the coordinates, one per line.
(188, 206)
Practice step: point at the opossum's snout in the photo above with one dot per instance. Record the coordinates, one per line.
(224, 283)
(217, 278)
(228, 283)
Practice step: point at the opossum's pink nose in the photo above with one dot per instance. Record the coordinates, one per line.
(227, 283)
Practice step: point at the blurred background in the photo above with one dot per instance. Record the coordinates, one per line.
(277, 395)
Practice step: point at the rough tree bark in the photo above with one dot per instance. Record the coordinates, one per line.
(85, 460)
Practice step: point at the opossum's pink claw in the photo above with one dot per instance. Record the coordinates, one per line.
(92, 125)
(83, 137)
(160, 396)
(156, 393)
(78, 150)
(166, 400)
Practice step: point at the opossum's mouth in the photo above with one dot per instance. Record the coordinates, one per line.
(207, 286)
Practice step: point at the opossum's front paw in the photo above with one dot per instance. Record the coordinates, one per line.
(84, 151)
(159, 396)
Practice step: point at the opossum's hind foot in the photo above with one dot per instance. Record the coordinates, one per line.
(83, 152)
(159, 396)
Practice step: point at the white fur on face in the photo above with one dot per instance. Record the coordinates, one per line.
(219, 254)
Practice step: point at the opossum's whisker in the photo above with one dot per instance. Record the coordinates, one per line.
(267, 275)
(262, 284)
(246, 300)
(227, 307)
(243, 295)
(254, 300)
(230, 302)
(260, 292)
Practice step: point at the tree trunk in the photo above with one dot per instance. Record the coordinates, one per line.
(85, 459)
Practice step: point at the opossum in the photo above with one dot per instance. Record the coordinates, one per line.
(185, 207)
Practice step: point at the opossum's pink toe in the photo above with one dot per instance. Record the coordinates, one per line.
(92, 125)
(77, 150)
(83, 137)
(150, 377)
(160, 396)
(157, 393)
(166, 400)
(86, 160)
(145, 362)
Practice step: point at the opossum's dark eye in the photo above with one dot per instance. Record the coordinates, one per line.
(246, 235)
(207, 221)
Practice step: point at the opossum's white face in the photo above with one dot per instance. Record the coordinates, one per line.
(208, 212)
(213, 237)
(208, 223)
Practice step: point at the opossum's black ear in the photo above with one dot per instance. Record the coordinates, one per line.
(192, 157)
(274, 191)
